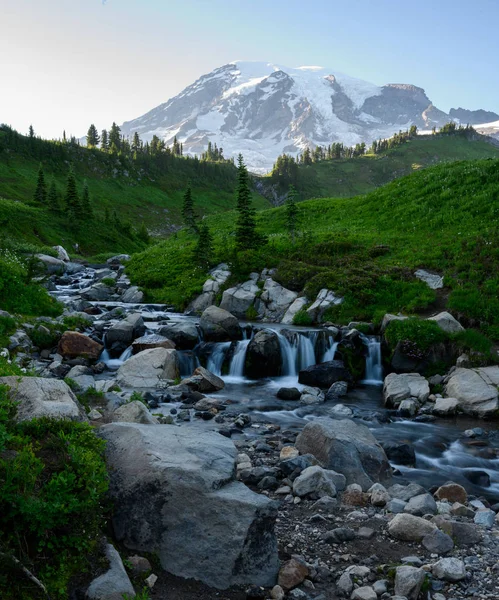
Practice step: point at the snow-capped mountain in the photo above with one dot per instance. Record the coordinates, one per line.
(262, 110)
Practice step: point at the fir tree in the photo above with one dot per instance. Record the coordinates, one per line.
(31, 132)
(291, 211)
(203, 250)
(143, 234)
(86, 205)
(71, 199)
(41, 189)
(104, 140)
(246, 235)
(92, 137)
(114, 138)
(53, 198)
(136, 144)
(188, 213)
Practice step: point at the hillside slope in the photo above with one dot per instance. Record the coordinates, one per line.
(366, 248)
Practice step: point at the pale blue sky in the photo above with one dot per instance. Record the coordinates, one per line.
(67, 63)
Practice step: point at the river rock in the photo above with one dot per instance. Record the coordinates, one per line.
(399, 453)
(485, 517)
(475, 390)
(452, 492)
(325, 374)
(274, 301)
(318, 482)
(405, 492)
(447, 323)
(118, 259)
(134, 412)
(400, 386)
(219, 325)
(408, 408)
(39, 397)
(438, 542)
(184, 334)
(132, 295)
(165, 481)
(51, 264)
(445, 407)
(295, 307)
(348, 448)
(285, 393)
(204, 381)
(114, 583)
(237, 300)
(98, 292)
(82, 377)
(147, 342)
(337, 390)
(432, 280)
(148, 369)
(73, 345)
(263, 356)
(379, 495)
(124, 332)
(421, 505)
(325, 300)
(449, 569)
(61, 253)
(365, 592)
(408, 581)
(409, 527)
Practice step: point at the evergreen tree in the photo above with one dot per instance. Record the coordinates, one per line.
(31, 132)
(188, 214)
(71, 199)
(41, 189)
(136, 144)
(203, 251)
(92, 137)
(246, 234)
(291, 211)
(115, 138)
(143, 234)
(53, 198)
(86, 205)
(104, 140)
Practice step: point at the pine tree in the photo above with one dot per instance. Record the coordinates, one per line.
(53, 198)
(41, 189)
(104, 140)
(246, 234)
(203, 251)
(71, 199)
(86, 205)
(31, 132)
(92, 137)
(291, 211)
(188, 214)
(115, 138)
(136, 143)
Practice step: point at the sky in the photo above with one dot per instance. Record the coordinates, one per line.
(68, 63)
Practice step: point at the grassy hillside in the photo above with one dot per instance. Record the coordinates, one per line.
(348, 177)
(139, 191)
(366, 248)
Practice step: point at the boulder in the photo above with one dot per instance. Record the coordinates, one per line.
(149, 369)
(318, 482)
(39, 397)
(274, 301)
(405, 492)
(449, 569)
(408, 408)
(201, 303)
(61, 253)
(447, 323)
(421, 505)
(438, 542)
(286, 393)
(147, 342)
(409, 528)
(292, 573)
(211, 287)
(432, 280)
(337, 390)
(475, 390)
(134, 412)
(348, 448)
(166, 482)
(117, 260)
(452, 492)
(263, 356)
(218, 325)
(325, 300)
(82, 377)
(388, 318)
(132, 295)
(112, 584)
(399, 453)
(131, 328)
(98, 292)
(408, 581)
(204, 381)
(325, 374)
(294, 308)
(445, 407)
(74, 345)
(401, 386)
(239, 299)
(50, 264)
(184, 334)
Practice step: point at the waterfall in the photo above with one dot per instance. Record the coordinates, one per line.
(217, 358)
(330, 350)
(288, 354)
(188, 363)
(374, 367)
(236, 368)
(306, 350)
(115, 363)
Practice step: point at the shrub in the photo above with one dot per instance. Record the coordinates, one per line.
(75, 323)
(420, 333)
(7, 327)
(302, 318)
(251, 314)
(109, 281)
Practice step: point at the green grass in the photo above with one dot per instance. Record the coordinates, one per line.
(354, 176)
(365, 248)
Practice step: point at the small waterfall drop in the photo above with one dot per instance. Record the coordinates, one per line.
(236, 368)
(188, 363)
(217, 358)
(306, 349)
(113, 364)
(330, 350)
(288, 354)
(374, 367)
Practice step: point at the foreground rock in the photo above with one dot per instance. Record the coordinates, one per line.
(324, 374)
(348, 448)
(114, 583)
(73, 345)
(263, 357)
(218, 325)
(409, 528)
(149, 369)
(38, 397)
(399, 387)
(204, 381)
(134, 412)
(475, 390)
(167, 481)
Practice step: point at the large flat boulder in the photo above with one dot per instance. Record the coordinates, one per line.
(39, 397)
(146, 342)
(325, 374)
(219, 325)
(401, 386)
(239, 299)
(51, 264)
(175, 495)
(184, 334)
(149, 369)
(475, 390)
(348, 448)
(73, 345)
(274, 301)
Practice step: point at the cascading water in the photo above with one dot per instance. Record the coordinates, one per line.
(217, 358)
(306, 349)
(288, 354)
(188, 363)
(115, 363)
(330, 350)
(374, 367)
(236, 368)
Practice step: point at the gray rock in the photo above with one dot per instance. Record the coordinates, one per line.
(405, 492)
(449, 569)
(341, 411)
(184, 334)
(466, 534)
(364, 593)
(286, 393)
(409, 528)
(274, 301)
(133, 295)
(447, 323)
(126, 331)
(112, 584)
(118, 259)
(218, 325)
(61, 253)
(165, 481)
(295, 307)
(325, 300)
(324, 374)
(438, 542)
(317, 482)
(424, 504)
(408, 581)
(380, 586)
(337, 390)
(149, 369)
(445, 407)
(348, 448)
(51, 264)
(204, 381)
(408, 408)
(134, 412)
(263, 355)
(475, 390)
(388, 318)
(344, 585)
(485, 518)
(396, 506)
(432, 280)
(39, 397)
(401, 386)
(379, 495)
(239, 299)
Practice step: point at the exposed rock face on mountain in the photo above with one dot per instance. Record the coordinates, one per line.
(263, 109)
(473, 117)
